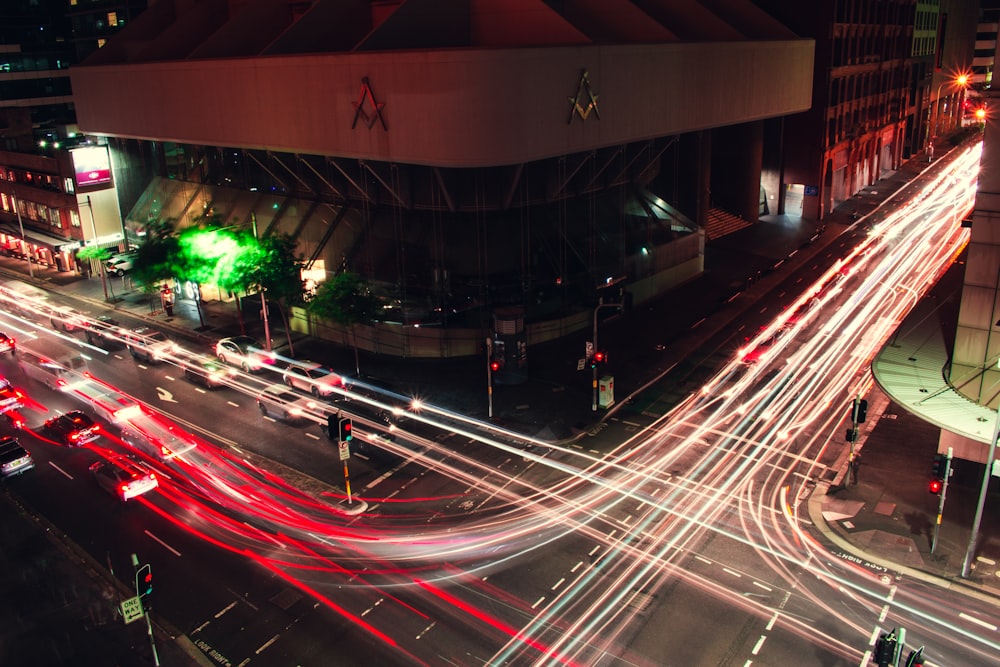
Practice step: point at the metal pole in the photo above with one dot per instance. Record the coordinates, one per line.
(593, 404)
(970, 552)
(489, 374)
(944, 494)
(24, 241)
(93, 227)
(263, 301)
(347, 483)
(145, 612)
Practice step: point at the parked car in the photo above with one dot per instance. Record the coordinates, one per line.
(119, 265)
(104, 331)
(312, 377)
(208, 373)
(7, 343)
(243, 351)
(148, 344)
(14, 459)
(67, 319)
(123, 477)
(74, 428)
(280, 402)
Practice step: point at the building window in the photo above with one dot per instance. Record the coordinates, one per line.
(74, 218)
(112, 18)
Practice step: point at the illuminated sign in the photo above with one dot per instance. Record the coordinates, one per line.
(92, 165)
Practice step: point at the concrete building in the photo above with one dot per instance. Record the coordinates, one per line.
(463, 155)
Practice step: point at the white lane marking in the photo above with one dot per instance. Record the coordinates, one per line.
(760, 585)
(200, 628)
(60, 470)
(885, 612)
(538, 602)
(171, 378)
(703, 560)
(378, 480)
(973, 619)
(165, 545)
(312, 435)
(576, 567)
(558, 584)
(426, 630)
(264, 646)
(235, 405)
(758, 645)
(223, 611)
(770, 624)
(732, 572)
(594, 550)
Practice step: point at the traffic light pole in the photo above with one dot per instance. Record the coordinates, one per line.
(944, 493)
(489, 374)
(971, 551)
(600, 304)
(145, 612)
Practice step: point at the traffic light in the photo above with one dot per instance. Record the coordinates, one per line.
(598, 359)
(915, 659)
(938, 469)
(860, 410)
(885, 649)
(346, 430)
(494, 366)
(144, 580)
(332, 427)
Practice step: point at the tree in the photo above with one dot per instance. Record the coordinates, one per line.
(347, 300)
(158, 260)
(278, 272)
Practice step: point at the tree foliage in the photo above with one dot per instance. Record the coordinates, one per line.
(156, 259)
(345, 299)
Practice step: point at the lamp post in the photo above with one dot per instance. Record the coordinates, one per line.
(20, 226)
(962, 80)
(93, 227)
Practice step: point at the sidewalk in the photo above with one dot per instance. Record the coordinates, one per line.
(882, 519)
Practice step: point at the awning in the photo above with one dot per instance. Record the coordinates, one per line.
(53, 243)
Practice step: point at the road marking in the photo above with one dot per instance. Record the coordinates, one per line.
(885, 612)
(200, 390)
(171, 378)
(770, 624)
(312, 435)
(594, 550)
(223, 611)
(703, 560)
(200, 628)
(973, 619)
(426, 630)
(264, 646)
(732, 572)
(164, 395)
(987, 561)
(165, 545)
(576, 567)
(558, 584)
(60, 470)
(378, 480)
(758, 645)
(760, 585)
(626, 521)
(235, 405)
(538, 602)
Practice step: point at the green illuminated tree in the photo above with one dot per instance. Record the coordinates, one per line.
(347, 300)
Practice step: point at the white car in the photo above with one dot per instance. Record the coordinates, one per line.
(243, 351)
(150, 345)
(312, 377)
(120, 265)
(124, 477)
(280, 402)
(68, 319)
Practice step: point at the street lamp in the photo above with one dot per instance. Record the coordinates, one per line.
(93, 226)
(962, 80)
(24, 241)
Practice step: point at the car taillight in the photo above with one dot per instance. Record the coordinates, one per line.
(152, 475)
(123, 487)
(95, 428)
(74, 436)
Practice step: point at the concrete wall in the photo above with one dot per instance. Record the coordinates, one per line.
(459, 108)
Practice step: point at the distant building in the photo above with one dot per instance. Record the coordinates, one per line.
(881, 87)
(44, 160)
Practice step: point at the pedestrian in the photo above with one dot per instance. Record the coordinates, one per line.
(855, 464)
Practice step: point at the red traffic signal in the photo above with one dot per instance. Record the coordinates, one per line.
(935, 486)
(494, 366)
(599, 357)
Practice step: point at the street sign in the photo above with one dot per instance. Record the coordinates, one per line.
(131, 609)
(580, 364)
(345, 450)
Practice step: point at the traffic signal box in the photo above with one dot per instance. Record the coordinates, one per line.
(346, 429)
(938, 471)
(144, 580)
(885, 649)
(598, 359)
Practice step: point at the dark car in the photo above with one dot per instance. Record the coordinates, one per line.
(14, 459)
(104, 331)
(208, 373)
(74, 428)
(7, 343)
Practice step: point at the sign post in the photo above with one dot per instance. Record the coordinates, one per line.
(131, 609)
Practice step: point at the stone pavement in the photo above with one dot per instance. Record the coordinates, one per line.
(882, 519)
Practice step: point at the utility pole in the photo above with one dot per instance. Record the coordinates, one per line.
(593, 366)
(93, 227)
(946, 473)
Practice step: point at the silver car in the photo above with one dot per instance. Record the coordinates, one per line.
(279, 402)
(313, 378)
